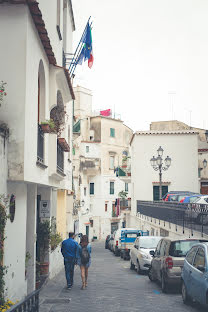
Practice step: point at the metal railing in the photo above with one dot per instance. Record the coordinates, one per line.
(40, 151)
(60, 158)
(29, 304)
(192, 216)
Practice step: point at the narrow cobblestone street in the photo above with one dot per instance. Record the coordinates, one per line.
(113, 287)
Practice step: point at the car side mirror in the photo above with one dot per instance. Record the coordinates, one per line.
(201, 268)
(152, 253)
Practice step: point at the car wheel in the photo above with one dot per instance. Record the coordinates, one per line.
(164, 284)
(151, 275)
(116, 253)
(185, 296)
(132, 266)
(121, 255)
(138, 269)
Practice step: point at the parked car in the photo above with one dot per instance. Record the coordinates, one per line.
(168, 259)
(116, 248)
(195, 275)
(190, 199)
(111, 241)
(128, 238)
(167, 197)
(107, 241)
(202, 200)
(142, 252)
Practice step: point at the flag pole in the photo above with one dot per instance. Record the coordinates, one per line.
(77, 57)
(72, 62)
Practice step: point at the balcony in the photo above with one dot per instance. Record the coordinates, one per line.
(90, 166)
(125, 205)
(124, 173)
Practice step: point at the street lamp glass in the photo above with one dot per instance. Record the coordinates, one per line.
(168, 161)
(204, 163)
(160, 151)
(159, 160)
(153, 161)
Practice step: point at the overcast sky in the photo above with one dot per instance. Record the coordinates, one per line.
(150, 59)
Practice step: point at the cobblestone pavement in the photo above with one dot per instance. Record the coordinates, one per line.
(112, 287)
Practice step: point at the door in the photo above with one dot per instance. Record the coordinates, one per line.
(187, 269)
(134, 251)
(197, 280)
(156, 192)
(87, 230)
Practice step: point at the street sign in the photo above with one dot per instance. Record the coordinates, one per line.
(45, 209)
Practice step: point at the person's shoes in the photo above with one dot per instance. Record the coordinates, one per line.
(83, 287)
(85, 284)
(69, 287)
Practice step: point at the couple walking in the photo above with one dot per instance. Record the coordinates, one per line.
(76, 254)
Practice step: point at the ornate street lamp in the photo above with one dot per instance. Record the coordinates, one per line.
(157, 164)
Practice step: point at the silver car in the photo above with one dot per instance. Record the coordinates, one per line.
(141, 253)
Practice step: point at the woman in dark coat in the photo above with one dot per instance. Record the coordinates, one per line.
(84, 259)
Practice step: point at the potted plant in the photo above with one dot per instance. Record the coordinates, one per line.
(43, 240)
(48, 126)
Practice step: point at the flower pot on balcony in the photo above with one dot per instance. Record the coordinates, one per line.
(45, 128)
(44, 268)
(129, 174)
(64, 145)
(124, 166)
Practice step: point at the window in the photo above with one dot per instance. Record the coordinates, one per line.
(199, 259)
(106, 207)
(87, 149)
(157, 251)
(180, 248)
(85, 191)
(112, 159)
(156, 191)
(112, 132)
(126, 187)
(111, 188)
(92, 191)
(191, 255)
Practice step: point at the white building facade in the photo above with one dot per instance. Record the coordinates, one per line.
(39, 164)
(182, 175)
(99, 148)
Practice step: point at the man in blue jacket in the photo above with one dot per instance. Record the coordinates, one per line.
(69, 251)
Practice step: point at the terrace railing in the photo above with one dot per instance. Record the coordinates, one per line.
(192, 216)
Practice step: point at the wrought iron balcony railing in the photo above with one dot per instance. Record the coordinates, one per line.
(40, 151)
(60, 159)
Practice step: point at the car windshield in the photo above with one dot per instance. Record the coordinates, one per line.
(180, 248)
(149, 242)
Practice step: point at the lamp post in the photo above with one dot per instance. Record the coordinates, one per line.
(157, 164)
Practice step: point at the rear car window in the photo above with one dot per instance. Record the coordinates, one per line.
(180, 248)
(149, 242)
(129, 235)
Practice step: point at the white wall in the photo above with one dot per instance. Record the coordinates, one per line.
(182, 174)
(15, 245)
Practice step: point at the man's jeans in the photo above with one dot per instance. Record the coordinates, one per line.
(69, 270)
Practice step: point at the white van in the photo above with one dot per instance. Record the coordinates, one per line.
(117, 241)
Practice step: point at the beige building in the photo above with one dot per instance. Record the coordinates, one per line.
(173, 125)
(100, 144)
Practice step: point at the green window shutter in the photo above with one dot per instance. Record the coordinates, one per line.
(73, 151)
(111, 188)
(112, 132)
(121, 173)
(76, 127)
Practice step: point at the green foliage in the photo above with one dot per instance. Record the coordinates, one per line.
(43, 239)
(55, 238)
(49, 122)
(123, 194)
(2, 91)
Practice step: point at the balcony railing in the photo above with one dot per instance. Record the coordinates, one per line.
(29, 304)
(192, 216)
(60, 159)
(40, 151)
(125, 204)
